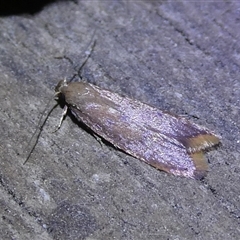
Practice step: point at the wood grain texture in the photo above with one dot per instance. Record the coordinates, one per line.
(179, 56)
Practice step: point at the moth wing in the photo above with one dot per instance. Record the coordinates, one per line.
(138, 129)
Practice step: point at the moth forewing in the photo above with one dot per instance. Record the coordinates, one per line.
(165, 141)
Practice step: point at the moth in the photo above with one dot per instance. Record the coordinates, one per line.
(165, 141)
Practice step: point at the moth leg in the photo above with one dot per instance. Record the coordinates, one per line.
(98, 139)
(64, 113)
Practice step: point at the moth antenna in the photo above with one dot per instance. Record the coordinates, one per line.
(39, 128)
(88, 55)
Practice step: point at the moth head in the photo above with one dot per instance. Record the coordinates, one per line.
(58, 88)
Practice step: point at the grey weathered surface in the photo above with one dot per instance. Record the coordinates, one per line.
(183, 57)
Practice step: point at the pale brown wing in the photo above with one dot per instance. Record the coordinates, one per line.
(167, 142)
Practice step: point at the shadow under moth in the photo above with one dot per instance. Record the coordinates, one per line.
(167, 142)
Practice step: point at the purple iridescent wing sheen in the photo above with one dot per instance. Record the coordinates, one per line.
(165, 141)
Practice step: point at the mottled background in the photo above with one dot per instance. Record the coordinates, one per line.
(180, 56)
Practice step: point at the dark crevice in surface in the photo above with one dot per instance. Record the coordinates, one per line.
(10, 192)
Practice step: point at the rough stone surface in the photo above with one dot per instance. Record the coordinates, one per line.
(181, 56)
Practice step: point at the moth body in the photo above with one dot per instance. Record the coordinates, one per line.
(165, 141)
